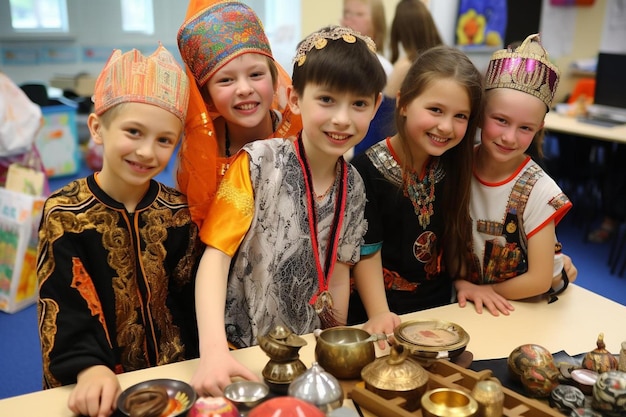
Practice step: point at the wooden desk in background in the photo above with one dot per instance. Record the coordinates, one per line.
(571, 324)
(558, 123)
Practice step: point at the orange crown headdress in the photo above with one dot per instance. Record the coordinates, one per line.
(527, 68)
(134, 78)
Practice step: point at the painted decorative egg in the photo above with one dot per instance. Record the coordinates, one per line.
(213, 407)
(609, 394)
(535, 367)
(286, 407)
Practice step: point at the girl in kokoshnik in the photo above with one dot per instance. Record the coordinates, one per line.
(515, 206)
(239, 95)
(418, 186)
(287, 221)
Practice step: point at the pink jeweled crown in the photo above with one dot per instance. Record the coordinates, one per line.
(527, 68)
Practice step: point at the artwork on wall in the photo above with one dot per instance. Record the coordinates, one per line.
(481, 23)
(58, 55)
(20, 56)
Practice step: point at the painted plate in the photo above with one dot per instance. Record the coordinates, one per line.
(431, 335)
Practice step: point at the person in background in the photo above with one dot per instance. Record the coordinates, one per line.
(287, 221)
(515, 206)
(413, 31)
(418, 186)
(368, 18)
(117, 250)
(238, 95)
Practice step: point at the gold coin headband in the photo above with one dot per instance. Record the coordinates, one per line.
(319, 40)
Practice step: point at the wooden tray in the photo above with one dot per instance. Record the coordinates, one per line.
(443, 373)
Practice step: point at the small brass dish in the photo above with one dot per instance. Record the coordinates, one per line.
(448, 402)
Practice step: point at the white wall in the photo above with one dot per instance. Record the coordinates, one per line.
(92, 23)
(97, 23)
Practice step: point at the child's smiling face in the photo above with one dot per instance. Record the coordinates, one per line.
(333, 121)
(242, 90)
(511, 120)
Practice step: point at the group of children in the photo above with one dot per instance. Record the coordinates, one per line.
(284, 230)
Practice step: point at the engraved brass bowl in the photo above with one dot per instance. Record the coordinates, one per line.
(344, 351)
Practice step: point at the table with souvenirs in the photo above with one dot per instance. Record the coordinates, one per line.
(544, 359)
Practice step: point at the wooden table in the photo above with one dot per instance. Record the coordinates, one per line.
(572, 324)
(558, 123)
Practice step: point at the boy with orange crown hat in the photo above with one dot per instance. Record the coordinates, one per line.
(118, 250)
(238, 94)
(515, 205)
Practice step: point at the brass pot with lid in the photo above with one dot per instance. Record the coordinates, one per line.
(397, 375)
(282, 346)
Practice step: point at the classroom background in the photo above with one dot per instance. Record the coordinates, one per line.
(574, 34)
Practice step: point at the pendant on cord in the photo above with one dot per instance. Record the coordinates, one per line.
(324, 307)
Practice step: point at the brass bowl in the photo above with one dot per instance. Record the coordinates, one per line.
(344, 351)
(448, 402)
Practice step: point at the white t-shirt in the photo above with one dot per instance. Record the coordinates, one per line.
(493, 219)
(387, 65)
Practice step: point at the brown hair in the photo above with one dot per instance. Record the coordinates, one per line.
(413, 27)
(445, 62)
(379, 24)
(341, 66)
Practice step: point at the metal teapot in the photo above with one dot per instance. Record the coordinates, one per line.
(397, 375)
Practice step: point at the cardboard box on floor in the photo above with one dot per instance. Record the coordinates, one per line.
(20, 215)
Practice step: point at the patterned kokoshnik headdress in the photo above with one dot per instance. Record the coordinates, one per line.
(134, 78)
(213, 33)
(527, 68)
(319, 40)
(219, 33)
